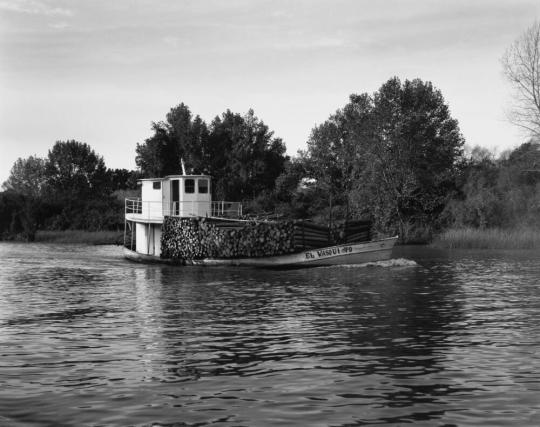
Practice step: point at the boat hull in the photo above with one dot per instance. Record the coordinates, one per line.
(350, 253)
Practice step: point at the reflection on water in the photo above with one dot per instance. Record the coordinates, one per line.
(90, 339)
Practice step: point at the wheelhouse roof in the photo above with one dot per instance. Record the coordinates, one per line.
(173, 176)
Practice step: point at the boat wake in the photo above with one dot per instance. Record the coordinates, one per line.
(394, 262)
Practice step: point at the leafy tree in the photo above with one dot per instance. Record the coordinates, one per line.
(75, 172)
(393, 155)
(418, 146)
(23, 201)
(521, 66)
(224, 168)
(245, 157)
(157, 156)
(189, 136)
(179, 137)
(27, 176)
(336, 153)
(77, 180)
(197, 153)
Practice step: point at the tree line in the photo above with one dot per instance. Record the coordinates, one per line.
(396, 157)
(73, 189)
(501, 192)
(69, 189)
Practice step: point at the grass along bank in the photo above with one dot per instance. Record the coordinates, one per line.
(81, 236)
(491, 238)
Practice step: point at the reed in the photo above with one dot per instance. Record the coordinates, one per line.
(80, 236)
(491, 238)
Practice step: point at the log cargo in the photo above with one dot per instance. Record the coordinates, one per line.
(198, 238)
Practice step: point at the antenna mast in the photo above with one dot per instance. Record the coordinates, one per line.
(183, 166)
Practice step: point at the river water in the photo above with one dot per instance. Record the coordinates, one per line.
(434, 338)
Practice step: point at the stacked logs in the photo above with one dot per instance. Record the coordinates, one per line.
(197, 238)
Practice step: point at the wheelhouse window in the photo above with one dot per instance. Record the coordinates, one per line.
(203, 186)
(189, 186)
(156, 185)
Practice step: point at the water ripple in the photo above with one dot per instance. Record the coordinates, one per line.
(430, 338)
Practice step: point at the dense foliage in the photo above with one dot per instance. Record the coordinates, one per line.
(395, 157)
(239, 152)
(70, 189)
(503, 192)
(391, 156)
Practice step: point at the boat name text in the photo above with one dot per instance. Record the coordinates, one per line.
(323, 253)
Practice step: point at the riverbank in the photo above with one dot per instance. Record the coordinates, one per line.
(463, 238)
(81, 236)
(492, 238)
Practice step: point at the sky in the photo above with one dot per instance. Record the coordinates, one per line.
(102, 71)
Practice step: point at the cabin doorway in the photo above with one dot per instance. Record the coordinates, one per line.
(175, 197)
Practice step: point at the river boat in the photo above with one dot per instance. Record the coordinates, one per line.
(184, 200)
(348, 254)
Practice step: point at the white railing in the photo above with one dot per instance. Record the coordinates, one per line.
(226, 209)
(137, 209)
(133, 206)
